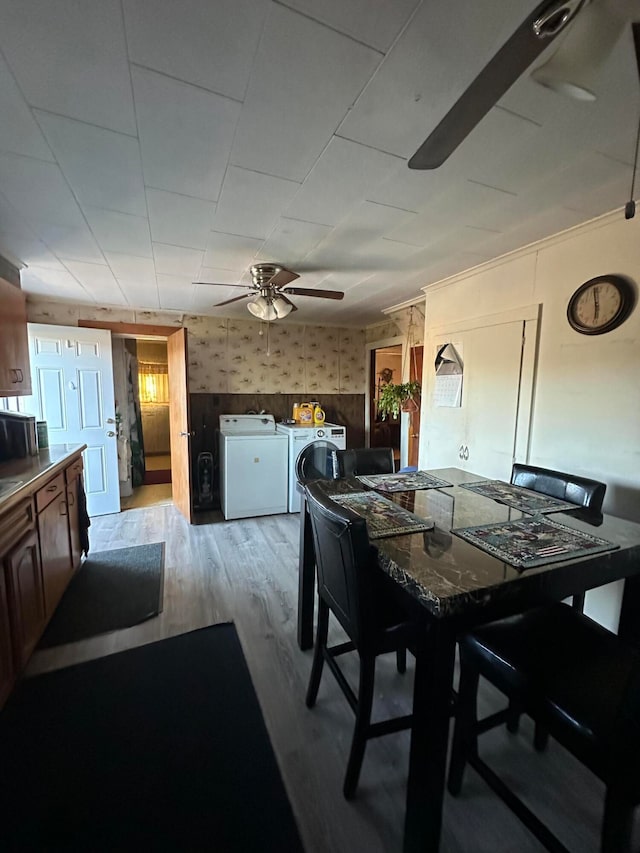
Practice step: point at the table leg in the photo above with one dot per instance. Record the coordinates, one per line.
(429, 738)
(306, 579)
(629, 627)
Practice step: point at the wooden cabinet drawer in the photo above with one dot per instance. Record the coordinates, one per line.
(47, 493)
(74, 470)
(15, 523)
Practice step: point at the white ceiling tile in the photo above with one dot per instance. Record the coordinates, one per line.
(20, 135)
(98, 281)
(423, 75)
(342, 177)
(230, 252)
(294, 104)
(185, 134)
(175, 292)
(117, 183)
(75, 242)
(70, 59)
(179, 219)
(222, 276)
(250, 203)
(374, 22)
(59, 284)
(177, 261)
(120, 232)
(38, 190)
(217, 44)
(291, 240)
(141, 294)
(130, 268)
(26, 249)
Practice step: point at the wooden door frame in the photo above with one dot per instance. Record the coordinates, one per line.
(404, 418)
(145, 330)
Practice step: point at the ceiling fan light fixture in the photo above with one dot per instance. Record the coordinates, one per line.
(258, 307)
(282, 307)
(574, 67)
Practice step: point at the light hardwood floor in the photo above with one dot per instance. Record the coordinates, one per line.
(246, 571)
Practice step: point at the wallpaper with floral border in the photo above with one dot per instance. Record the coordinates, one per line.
(236, 356)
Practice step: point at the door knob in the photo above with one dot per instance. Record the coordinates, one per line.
(110, 433)
(186, 433)
(111, 420)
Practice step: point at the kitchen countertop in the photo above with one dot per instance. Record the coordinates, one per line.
(19, 476)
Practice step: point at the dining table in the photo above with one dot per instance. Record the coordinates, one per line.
(450, 585)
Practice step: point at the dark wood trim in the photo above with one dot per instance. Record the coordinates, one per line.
(130, 328)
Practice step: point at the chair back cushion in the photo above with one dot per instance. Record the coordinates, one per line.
(345, 563)
(316, 461)
(365, 460)
(569, 487)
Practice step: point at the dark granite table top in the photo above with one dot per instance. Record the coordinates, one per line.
(452, 578)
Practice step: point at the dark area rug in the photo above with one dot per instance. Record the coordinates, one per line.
(112, 590)
(157, 748)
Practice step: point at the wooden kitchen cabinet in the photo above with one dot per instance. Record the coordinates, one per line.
(40, 550)
(26, 597)
(15, 375)
(55, 550)
(7, 666)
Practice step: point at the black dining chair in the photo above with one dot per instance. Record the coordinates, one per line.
(353, 588)
(365, 460)
(581, 491)
(581, 683)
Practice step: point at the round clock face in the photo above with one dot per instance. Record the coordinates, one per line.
(600, 305)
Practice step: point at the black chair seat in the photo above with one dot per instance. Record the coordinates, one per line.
(578, 680)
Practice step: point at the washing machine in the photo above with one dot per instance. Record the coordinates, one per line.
(253, 466)
(300, 437)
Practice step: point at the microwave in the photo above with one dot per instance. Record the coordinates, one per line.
(18, 436)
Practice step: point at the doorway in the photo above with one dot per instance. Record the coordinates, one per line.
(385, 367)
(142, 392)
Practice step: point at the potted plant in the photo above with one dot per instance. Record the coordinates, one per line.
(394, 398)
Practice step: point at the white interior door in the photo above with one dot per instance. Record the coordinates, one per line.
(491, 426)
(72, 381)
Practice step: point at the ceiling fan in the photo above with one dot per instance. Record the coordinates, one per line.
(270, 299)
(590, 39)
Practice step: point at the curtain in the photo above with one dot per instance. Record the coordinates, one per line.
(135, 422)
(153, 382)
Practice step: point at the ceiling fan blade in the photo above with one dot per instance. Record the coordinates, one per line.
(229, 301)
(288, 301)
(309, 291)
(513, 58)
(283, 277)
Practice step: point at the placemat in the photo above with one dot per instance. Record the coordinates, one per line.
(383, 517)
(518, 497)
(409, 482)
(531, 542)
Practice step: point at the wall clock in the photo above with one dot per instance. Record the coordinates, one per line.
(600, 304)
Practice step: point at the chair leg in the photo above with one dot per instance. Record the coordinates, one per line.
(401, 661)
(465, 733)
(363, 720)
(513, 717)
(318, 653)
(617, 824)
(540, 738)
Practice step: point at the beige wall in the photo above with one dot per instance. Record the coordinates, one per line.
(586, 411)
(244, 356)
